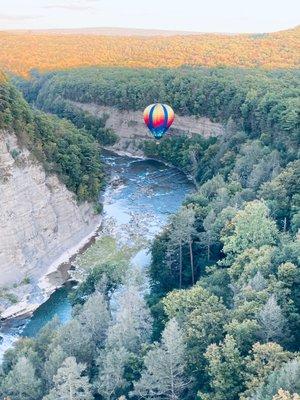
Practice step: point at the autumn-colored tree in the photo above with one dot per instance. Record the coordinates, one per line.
(46, 51)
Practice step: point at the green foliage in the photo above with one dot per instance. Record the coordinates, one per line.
(287, 378)
(251, 228)
(202, 317)
(257, 102)
(282, 196)
(261, 362)
(225, 368)
(63, 149)
(108, 275)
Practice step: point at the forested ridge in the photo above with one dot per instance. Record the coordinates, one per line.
(259, 102)
(20, 52)
(221, 319)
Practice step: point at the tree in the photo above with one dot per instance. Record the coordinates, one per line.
(75, 341)
(273, 323)
(287, 378)
(129, 331)
(133, 323)
(251, 227)
(182, 233)
(46, 335)
(202, 317)
(209, 236)
(94, 318)
(22, 383)
(110, 380)
(262, 361)
(250, 262)
(258, 282)
(164, 375)
(69, 384)
(225, 368)
(52, 364)
(285, 395)
(282, 195)
(244, 332)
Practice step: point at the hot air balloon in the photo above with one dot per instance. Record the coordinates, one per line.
(158, 117)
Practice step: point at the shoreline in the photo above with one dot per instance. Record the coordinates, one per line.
(143, 157)
(25, 308)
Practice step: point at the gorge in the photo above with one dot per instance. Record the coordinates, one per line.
(137, 202)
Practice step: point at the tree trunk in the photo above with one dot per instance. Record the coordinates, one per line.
(284, 224)
(180, 265)
(208, 252)
(192, 260)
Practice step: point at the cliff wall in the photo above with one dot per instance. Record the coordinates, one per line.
(40, 221)
(130, 128)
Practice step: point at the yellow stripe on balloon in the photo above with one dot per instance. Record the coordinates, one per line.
(158, 115)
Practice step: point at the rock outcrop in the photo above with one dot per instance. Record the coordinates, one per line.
(130, 128)
(40, 220)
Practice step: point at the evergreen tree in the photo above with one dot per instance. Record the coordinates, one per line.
(52, 364)
(95, 318)
(22, 383)
(287, 378)
(110, 380)
(132, 326)
(273, 324)
(164, 376)
(69, 384)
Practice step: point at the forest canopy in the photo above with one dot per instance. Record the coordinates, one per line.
(264, 105)
(22, 51)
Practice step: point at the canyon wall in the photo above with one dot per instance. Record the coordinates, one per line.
(40, 221)
(130, 128)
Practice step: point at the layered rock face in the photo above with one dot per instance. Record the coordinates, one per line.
(130, 128)
(39, 218)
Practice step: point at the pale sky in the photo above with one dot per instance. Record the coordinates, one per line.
(190, 15)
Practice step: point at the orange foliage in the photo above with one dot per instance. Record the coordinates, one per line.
(20, 52)
(2, 77)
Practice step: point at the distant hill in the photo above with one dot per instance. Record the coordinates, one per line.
(106, 31)
(21, 51)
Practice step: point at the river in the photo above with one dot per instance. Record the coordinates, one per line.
(136, 205)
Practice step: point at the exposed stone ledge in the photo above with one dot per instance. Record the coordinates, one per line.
(41, 224)
(130, 128)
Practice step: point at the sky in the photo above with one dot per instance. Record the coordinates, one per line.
(188, 15)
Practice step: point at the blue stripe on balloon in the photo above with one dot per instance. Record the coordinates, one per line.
(166, 116)
(151, 117)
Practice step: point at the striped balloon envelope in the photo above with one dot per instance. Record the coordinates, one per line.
(158, 118)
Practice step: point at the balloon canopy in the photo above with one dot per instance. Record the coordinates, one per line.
(158, 117)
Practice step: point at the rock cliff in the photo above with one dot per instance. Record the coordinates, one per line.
(130, 128)
(40, 221)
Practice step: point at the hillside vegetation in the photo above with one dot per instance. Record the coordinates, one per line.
(261, 104)
(21, 52)
(63, 149)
